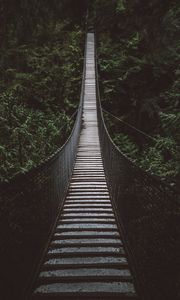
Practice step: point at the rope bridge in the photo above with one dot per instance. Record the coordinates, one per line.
(88, 222)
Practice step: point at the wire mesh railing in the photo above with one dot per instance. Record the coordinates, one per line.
(29, 205)
(148, 214)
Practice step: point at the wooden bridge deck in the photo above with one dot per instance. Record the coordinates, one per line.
(86, 257)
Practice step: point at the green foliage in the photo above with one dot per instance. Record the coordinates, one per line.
(27, 136)
(140, 54)
(126, 145)
(39, 87)
(138, 51)
(120, 6)
(162, 159)
(170, 123)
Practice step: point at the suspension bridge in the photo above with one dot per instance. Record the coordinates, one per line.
(98, 226)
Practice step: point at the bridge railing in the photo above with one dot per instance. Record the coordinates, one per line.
(29, 205)
(148, 214)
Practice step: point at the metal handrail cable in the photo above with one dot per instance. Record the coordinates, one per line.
(130, 126)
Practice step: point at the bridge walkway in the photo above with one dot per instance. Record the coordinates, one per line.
(86, 256)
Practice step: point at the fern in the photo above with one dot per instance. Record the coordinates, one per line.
(126, 145)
